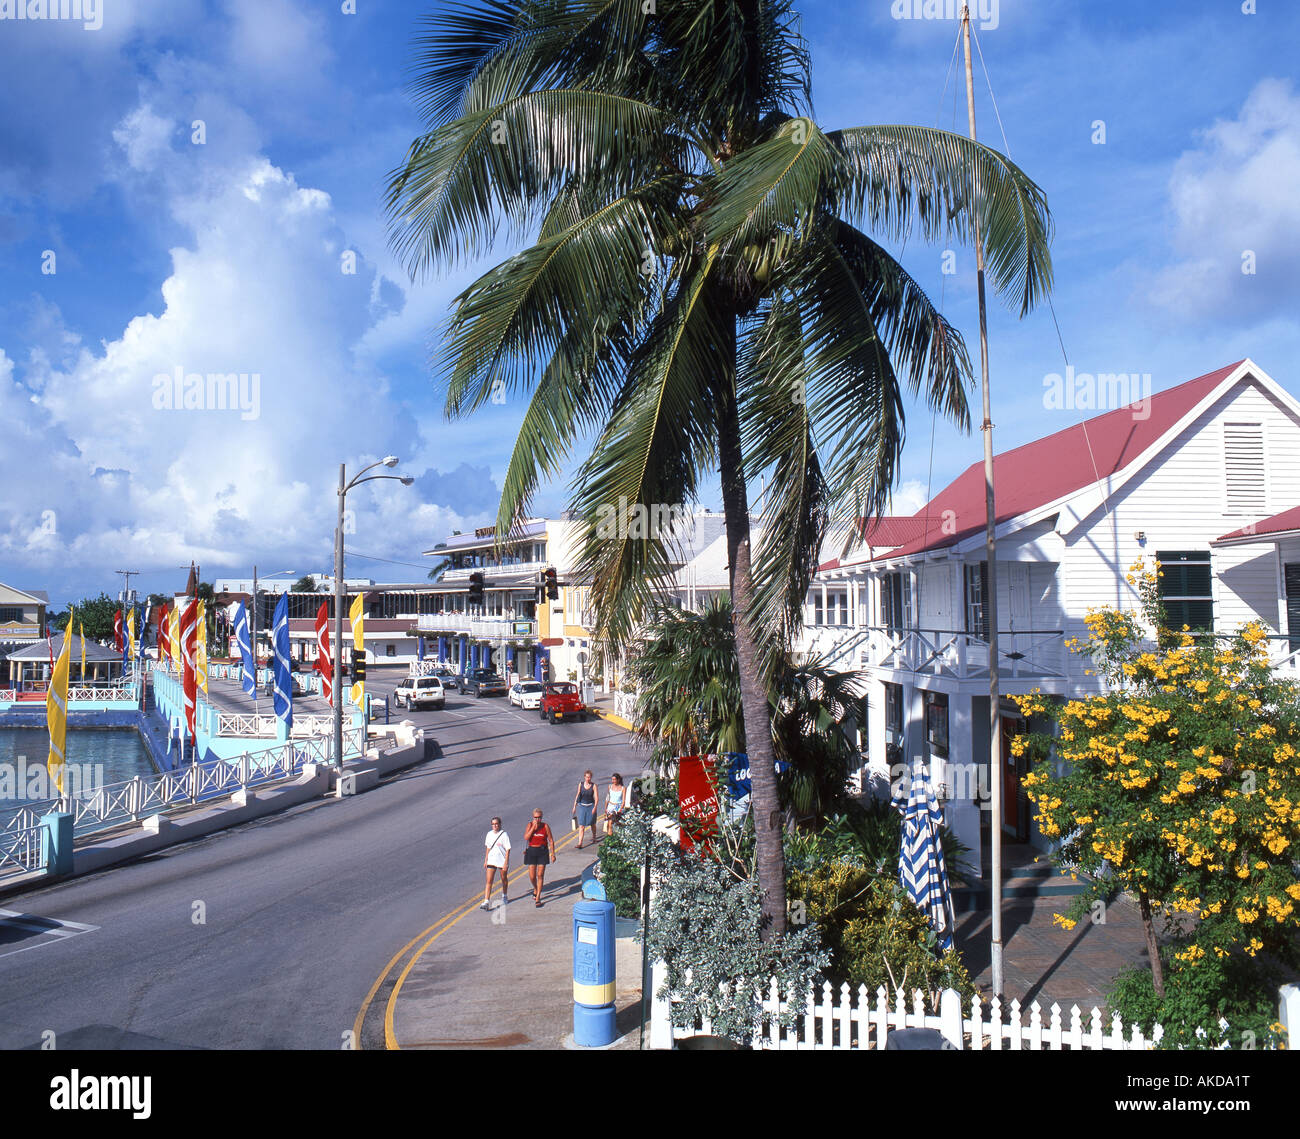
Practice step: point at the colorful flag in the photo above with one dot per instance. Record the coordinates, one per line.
(186, 638)
(118, 643)
(201, 649)
(130, 633)
(283, 693)
(164, 635)
(174, 633)
(249, 678)
(356, 616)
(56, 707)
(83, 648)
(323, 663)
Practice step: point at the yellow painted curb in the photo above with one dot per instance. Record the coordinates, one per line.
(614, 718)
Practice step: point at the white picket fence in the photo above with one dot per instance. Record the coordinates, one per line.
(846, 1023)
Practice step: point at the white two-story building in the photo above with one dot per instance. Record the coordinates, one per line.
(1193, 476)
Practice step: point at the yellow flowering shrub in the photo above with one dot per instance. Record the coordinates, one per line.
(1180, 782)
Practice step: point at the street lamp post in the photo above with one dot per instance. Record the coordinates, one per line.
(339, 592)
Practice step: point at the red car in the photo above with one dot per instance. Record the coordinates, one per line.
(562, 701)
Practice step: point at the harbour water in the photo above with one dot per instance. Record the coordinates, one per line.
(96, 757)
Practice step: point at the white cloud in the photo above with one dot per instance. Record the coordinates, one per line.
(1232, 198)
(255, 290)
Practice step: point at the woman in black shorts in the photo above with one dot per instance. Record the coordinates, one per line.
(537, 840)
(584, 807)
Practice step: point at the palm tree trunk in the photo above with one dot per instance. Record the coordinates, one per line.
(764, 796)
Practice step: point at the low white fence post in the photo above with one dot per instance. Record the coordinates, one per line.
(1289, 998)
(950, 1018)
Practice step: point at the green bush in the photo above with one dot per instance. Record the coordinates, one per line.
(1234, 989)
(620, 877)
(874, 931)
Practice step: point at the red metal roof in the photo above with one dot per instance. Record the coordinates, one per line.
(1279, 524)
(1057, 465)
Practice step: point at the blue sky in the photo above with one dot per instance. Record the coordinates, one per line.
(227, 257)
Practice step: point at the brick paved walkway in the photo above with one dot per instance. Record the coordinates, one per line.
(1046, 963)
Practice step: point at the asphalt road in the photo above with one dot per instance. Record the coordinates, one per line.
(270, 935)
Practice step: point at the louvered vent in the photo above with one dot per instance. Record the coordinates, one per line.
(1244, 467)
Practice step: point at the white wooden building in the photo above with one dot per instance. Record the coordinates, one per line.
(1193, 476)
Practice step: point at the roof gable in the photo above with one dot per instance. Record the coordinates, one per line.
(1052, 468)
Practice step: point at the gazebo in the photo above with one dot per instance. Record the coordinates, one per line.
(29, 666)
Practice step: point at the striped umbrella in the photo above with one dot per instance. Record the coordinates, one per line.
(920, 858)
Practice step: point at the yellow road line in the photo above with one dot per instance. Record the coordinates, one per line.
(390, 1035)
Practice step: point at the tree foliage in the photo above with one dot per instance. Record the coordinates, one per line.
(689, 703)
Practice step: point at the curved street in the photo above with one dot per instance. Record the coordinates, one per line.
(271, 934)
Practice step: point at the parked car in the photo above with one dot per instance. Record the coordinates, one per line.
(563, 701)
(527, 694)
(484, 682)
(450, 681)
(420, 692)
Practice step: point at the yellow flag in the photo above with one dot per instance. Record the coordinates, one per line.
(175, 618)
(201, 651)
(355, 615)
(56, 707)
(83, 648)
(130, 635)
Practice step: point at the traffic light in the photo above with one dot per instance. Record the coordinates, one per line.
(552, 586)
(476, 588)
(359, 665)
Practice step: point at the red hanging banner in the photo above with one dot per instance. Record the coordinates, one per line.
(697, 799)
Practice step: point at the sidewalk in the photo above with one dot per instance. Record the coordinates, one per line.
(1044, 962)
(504, 978)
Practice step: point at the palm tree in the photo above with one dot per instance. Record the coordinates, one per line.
(697, 290)
(689, 703)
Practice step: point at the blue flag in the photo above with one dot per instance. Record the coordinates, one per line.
(419, 650)
(246, 651)
(283, 695)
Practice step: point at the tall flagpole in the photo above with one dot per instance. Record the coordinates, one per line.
(991, 601)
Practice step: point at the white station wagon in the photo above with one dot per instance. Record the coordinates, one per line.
(420, 692)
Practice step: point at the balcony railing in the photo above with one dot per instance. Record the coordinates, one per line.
(479, 628)
(512, 570)
(959, 655)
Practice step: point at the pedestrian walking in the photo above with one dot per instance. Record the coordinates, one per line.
(584, 807)
(538, 839)
(615, 801)
(496, 857)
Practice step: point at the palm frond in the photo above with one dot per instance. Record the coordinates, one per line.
(895, 177)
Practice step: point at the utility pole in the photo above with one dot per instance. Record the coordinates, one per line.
(990, 541)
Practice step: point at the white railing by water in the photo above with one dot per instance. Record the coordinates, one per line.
(256, 726)
(121, 694)
(144, 795)
(838, 1021)
(20, 844)
(7, 695)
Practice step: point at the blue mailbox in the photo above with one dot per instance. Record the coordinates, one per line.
(593, 974)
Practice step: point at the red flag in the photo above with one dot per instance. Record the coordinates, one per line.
(164, 636)
(323, 663)
(117, 630)
(189, 641)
